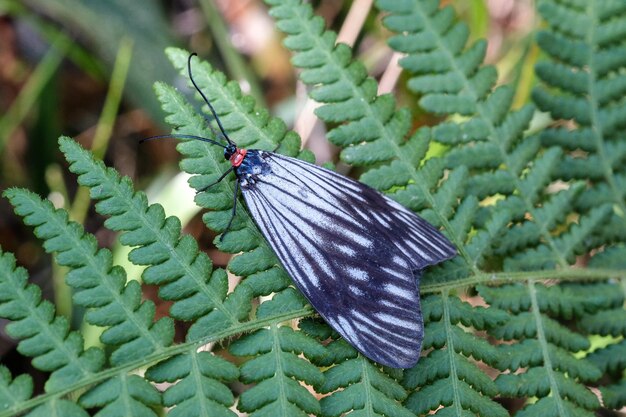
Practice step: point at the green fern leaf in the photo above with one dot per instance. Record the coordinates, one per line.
(13, 390)
(367, 391)
(493, 193)
(275, 366)
(610, 358)
(175, 263)
(446, 376)
(113, 303)
(42, 335)
(614, 395)
(199, 390)
(102, 286)
(544, 347)
(356, 387)
(185, 274)
(584, 82)
(257, 263)
(608, 322)
(374, 132)
(248, 127)
(490, 141)
(58, 407)
(126, 395)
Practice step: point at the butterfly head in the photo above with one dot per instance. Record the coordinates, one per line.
(230, 150)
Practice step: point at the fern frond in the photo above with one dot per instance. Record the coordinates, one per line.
(113, 303)
(610, 320)
(359, 388)
(257, 263)
(355, 386)
(614, 395)
(584, 84)
(247, 126)
(275, 366)
(100, 285)
(343, 86)
(43, 336)
(184, 273)
(124, 395)
(200, 390)
(541, 357)
(445, 375)
(451, 80)
(13, 390)
(374, 132)
(491, 141)
(46, 338)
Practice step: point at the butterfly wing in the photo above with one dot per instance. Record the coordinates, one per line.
(330, 233)
(413, 236)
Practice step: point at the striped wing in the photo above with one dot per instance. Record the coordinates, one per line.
(386, 219)
(351, 251)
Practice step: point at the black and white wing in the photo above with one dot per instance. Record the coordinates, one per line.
(350, 250)
(413, 236)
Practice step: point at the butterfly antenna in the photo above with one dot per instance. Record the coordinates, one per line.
(217, 119)
(183, 137)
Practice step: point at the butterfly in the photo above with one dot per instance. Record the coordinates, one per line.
(355, 254)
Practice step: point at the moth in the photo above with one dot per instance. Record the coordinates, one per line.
(355, 254)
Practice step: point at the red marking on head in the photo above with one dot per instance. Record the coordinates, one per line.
(237, 158)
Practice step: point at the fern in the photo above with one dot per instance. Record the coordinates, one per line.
(447, 378)
(199, 390)
(113, 302)
(492, 193)
(542, 354)
(13, 391)
(101, 286)
(372, 127)
(583, 86)
(276, 367)
(175, 263)
(257, 263)
(44, 337)
(584, 83)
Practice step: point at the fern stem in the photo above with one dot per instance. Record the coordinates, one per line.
(498, 278)
(276, 350)
(545, 350)
(168, 352)
(197, 376)
(367, 384)
(450, 350)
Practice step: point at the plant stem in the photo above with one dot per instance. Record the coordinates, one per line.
(236, 67)
(101, 138)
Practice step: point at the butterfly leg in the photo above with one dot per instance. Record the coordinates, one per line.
(232, 217)
(228, 171)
